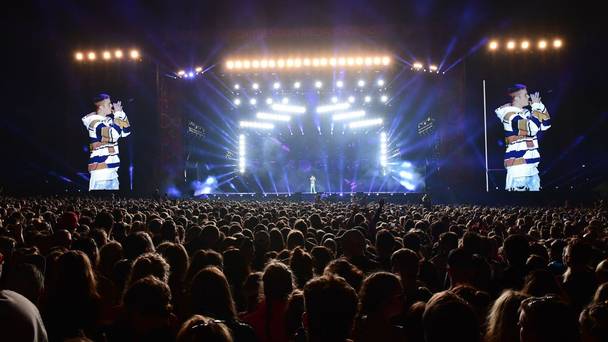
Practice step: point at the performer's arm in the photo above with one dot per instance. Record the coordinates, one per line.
(121, 121)
(540, 112)
(103, 132)
(518, 124)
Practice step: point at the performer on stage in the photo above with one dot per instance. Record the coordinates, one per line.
(105, 126)
(313, 189)
(521, 127)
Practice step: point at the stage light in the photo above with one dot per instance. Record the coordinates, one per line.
(263, 64)
(255, 86)
(417, 65)
(91, 56)
(237, 64)
(493, 45)
(237, 86)
(525, 45)
(406, 175)
(386, 60)
(361, 83)
(280, 63)
(306, 62)
(255, 64)
(351, 99)
(557, 43)
(333, 108)
(269, 101)
(318, 84)
(118, 54)
(246, 64)
(271, 63)
(511, 45)
(230, 64)
(368, 99)
(106, 55)
(297, 63)
(256, 124)
(273, 117)
(380, 83)
(198, 69)
(369, 61)
(365, 123)
(323, 61)
(383, 150)
(334, 99)
(339, 84)
(383, 98)
(285, 100)
(79, 56)
(276, 85)
(134, 54)
(296, 85)
(253, 102)
(333, 61)
(359, 61)
(542, 44)
(377, 60)
(242, 153)
(288, 109)
(341, 61)
(237, 102)
(432, 67)
(289, 63)
(348, 115)
(350, 61)
(181, 73)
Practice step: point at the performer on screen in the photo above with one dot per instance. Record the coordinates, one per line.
(105, 126)
(313, 189)
(521, 126)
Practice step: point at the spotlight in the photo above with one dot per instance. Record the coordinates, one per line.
(273, 117)
(383, 98)
(342, 61)
(380, 83)
(269, 101)
(255, 64)
(333, 108)
(285, 100)
(253, 102)
(256, 124)
(79, 56)
(361, 83)
(198, 69)
(237, 86)
(433, 67)
(386, 60)
(246, 64)
(255, 86)
(339, 84)
(368, 99)
(525, 45)
(511, 45)
(230, 64)
(296, 85)
(190, 74)
(369, 61)
(318, 84)
(288, 109)
(377, 60)
(91, 56)
(334, 99)
(276, 85)
(181, 73)
(263, 64)
(557, 43)
(351, 99)
(348, 115)
(134, 54)
(237, 64)
(542, 44)
(417, 65)
(118, 54)
(237, 102)
(106, 55)
(493, 45)
(365, 123)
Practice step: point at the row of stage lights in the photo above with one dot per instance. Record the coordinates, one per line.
(432, 68)
(107, 55)
(334, 99)
(512, 45)
(317, 84)
(307, 62)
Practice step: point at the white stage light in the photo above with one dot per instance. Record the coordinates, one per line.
(351, 99)
(334, 99)
(269, 101)
(229, 64)
(367, 99)
(92, 56)
(198, 69)
(237, 87)
(433, 67)
(296, 85)
(339, 84)
(288, 109)
(181, 73)
(383, 98)
(190, 74)
(134, 54)
(333, 107)
(106, 55)
(542, 44)
(255, 86)
(237, 102)
(417, 66)
(365, 123)
(361, 83)
(386, 60)
(493, 45)
(79, 56)
(511, 45)
(256, 124)
(276, 85)
(557, 43)
(253, 102)
(273, 117)
(348, 115)
(525, 45)
(380, 83)
(318, 84)
(118, 54)
(285, 100)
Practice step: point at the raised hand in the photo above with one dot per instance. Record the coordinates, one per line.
(535, 97)
(117, 106)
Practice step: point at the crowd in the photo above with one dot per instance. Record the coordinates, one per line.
(81, 269)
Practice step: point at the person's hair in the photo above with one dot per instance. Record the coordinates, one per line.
(75, 277)
(594, 322)
(300, 263)
(405, 260)
(210, 295)
(511, 90)
(501, 325)
(175, 254)
(377, 291)
(136, 244)
(148, 297)
(321, 256)
(547, 319)
(540, 283)
(447, 317)
(26, 280)
(516, 249)
(601, 294)
(330, 304)
(149, 264)
(277, 281)
(89, 247)
(200, 328)
(109, 255)
(341, 267)
(100, 97)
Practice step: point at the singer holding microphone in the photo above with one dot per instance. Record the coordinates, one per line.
(105, 126)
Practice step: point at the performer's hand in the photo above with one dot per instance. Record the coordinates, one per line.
(117, 106)
(535, 97)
